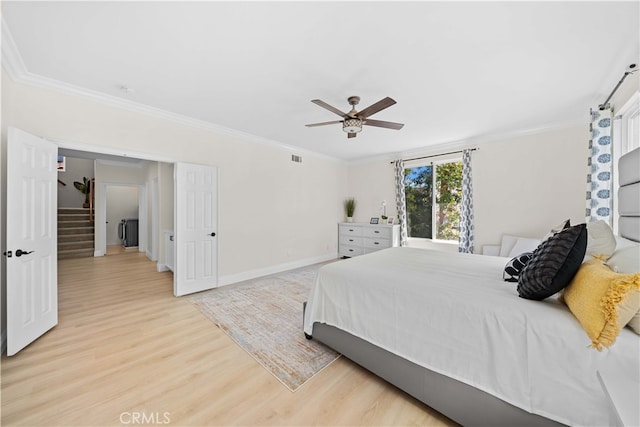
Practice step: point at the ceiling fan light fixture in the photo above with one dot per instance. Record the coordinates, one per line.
(352, 125)
(353, 121)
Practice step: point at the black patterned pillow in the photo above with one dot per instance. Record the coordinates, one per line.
(553, 264)
(514, 267)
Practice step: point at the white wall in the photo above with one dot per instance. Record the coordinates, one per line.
(117, 173)
(165, 218)
(273, 212)
(527, 185)
(76, 169)
(110, 174)
(371, 182)
(277, 213)
(122, 202)
(153, 210)
(522, 185)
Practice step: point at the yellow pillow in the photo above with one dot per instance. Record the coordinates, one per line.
(603, 301)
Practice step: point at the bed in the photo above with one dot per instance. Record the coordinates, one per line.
(449, 331)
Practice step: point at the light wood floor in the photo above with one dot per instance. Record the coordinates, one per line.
(121, 250)
(125, 345)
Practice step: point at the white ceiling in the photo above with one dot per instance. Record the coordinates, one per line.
(458, 70)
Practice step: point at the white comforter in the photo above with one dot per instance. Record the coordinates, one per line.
(453, 314)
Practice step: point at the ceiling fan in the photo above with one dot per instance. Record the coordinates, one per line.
(353, 120)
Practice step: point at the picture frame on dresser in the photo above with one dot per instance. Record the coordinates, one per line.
(374, 220)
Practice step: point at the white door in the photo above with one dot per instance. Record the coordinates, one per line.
(154, 205)
(196, 221)
(32, 270)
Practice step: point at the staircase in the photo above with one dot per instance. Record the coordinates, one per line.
(75, 233)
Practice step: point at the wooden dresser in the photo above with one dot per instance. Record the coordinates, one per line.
(360, 238)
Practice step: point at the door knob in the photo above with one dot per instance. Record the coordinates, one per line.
(20, 252)
(212, 234)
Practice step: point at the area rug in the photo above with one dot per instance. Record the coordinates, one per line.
(264, 317)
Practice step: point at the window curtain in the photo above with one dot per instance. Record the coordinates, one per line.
(401, 202)
(599, 179)
(466, 207)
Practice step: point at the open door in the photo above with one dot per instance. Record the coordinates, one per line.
(32, 270)
(196, 220)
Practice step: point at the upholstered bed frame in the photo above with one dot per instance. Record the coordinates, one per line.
(462, 403)
(629, 195)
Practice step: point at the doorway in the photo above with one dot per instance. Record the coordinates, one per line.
(192, 255)
(124, 207)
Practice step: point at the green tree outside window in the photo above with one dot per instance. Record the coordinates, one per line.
(419, 187)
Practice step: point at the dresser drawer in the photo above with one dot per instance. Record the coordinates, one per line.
(376, 243)
(351, 240)
(375, 232)
(350, 230)
(346, 250)
(356, 239)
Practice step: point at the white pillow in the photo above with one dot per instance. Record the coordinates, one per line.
(523, 245)
(625, 260)
(507, 244)
(600, 240)
(493, 250)
(564, 224)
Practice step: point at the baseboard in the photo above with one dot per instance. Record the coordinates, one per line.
(252, 274)
(98, 253)
(160, 267)
(149, 255)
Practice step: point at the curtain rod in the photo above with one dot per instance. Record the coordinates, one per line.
(632, 68)
(436, 155)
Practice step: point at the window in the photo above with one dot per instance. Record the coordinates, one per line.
(434, 214)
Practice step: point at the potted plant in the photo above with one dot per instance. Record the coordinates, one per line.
(350, 208)
(85, 188)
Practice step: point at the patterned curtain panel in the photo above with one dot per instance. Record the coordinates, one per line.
(599, 183)
(401, 202)
(466, 207)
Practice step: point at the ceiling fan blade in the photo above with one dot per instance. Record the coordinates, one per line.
(329, 107)
(323, 123)
(383, 124)
(352, 135)
(378, 106)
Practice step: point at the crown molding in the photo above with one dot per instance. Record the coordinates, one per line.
(135, 107)
(12, 62)
(471, 142)
(14, 65)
